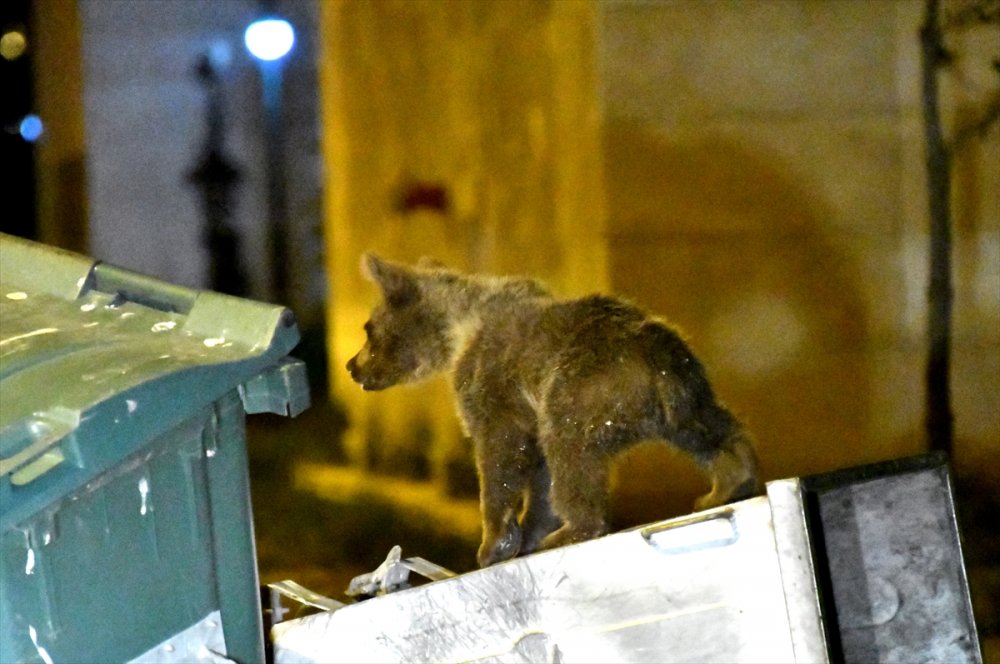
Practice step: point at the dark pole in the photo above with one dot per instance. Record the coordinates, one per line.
(940, 421)
(277, 209)
(216, 178)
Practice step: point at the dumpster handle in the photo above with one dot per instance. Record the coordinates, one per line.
(41, 454)
(138, 288)
(693, 533)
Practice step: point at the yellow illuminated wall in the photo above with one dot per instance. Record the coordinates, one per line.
(59, 86)
(753, 171)
(494, 106)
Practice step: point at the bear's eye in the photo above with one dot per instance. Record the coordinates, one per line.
(368, 328)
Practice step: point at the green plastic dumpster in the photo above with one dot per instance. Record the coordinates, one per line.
(126, 530)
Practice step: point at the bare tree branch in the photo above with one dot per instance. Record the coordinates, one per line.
(978, 127)
(972, 13)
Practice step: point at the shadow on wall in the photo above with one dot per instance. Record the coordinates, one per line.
(715, 236)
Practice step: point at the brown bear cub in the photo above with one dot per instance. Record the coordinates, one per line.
(549, 391)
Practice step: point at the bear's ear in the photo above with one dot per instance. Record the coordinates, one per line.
(428, 263)
(398, 283)
(376, 269)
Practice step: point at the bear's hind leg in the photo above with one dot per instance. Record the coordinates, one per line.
(734, 475)
(579, 491)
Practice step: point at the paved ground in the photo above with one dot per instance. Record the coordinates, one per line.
(317, 523)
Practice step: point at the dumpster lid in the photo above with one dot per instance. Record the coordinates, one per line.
(101, 355)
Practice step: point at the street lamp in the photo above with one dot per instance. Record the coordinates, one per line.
(269, 40)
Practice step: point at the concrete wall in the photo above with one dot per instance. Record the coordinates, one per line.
(60, 157)
(145, 116)
(766, 190)
(759, 164)
(494, 105)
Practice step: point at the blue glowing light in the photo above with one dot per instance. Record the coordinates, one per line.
(31, 128)
(269, 39)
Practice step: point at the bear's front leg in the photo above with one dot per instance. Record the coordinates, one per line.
(539, 520)
(505, 462)
(499, 544)
(499, 499)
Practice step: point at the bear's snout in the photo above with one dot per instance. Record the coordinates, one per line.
(361, 372)
(354, 368)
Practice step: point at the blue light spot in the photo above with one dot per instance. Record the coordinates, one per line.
(269, 39)
(31, 128)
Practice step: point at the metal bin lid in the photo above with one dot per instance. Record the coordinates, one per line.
(96, 360)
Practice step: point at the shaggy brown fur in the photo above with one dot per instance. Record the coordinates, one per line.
(549, 391)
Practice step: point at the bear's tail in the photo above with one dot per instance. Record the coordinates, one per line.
(734, 469)
(697, 423)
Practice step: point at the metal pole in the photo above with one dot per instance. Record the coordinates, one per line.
(277, 208)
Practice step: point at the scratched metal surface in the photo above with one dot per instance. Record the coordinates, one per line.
(705, 588)
(896, 570)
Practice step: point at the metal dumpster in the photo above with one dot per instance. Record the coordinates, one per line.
(125, 523)
(863, 565)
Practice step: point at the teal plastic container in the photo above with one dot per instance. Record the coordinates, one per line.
(126, 529)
